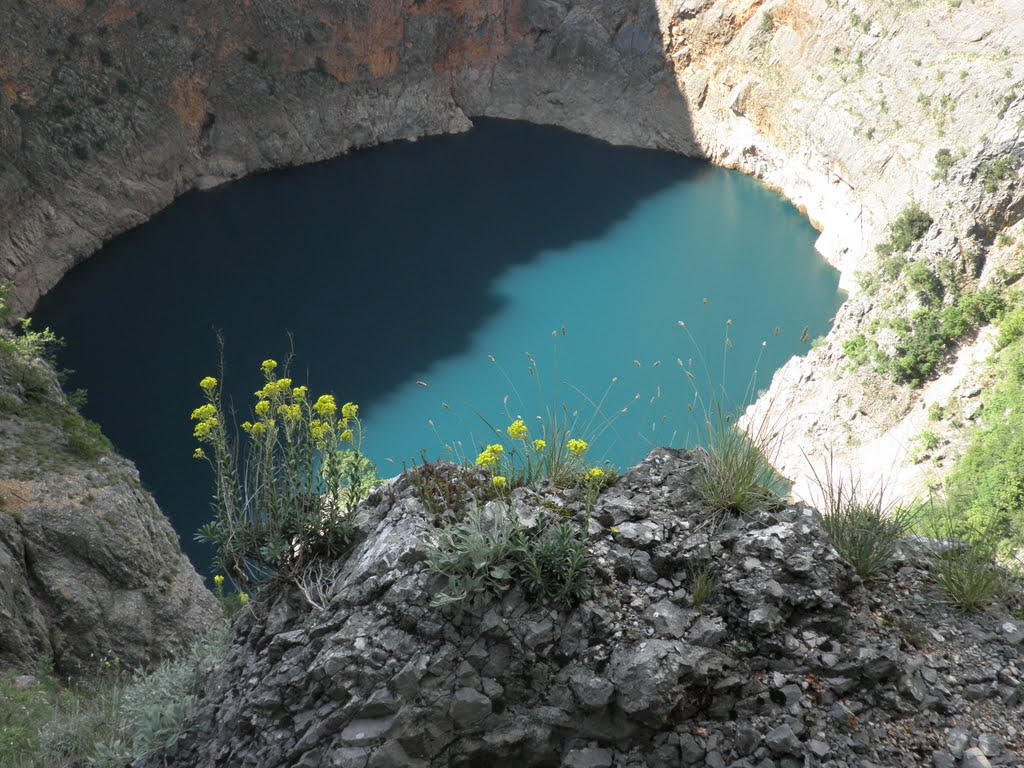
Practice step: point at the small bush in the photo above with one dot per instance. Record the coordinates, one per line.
(943, 163)
(491, 551)
(735, 471)
(970, 579)
(860, 350)
(929, 440)
(1011, 327)
(925, 283)
(863, 523)
(967, 571)
(475, 555)
(992, 174)
(909, 227)
(85, 438)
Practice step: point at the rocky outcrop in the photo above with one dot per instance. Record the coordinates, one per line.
(789, 661)
(90, 570)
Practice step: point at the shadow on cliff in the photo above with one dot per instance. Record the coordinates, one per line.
(380, 265)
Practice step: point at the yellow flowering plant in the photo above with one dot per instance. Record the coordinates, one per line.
(286, 491)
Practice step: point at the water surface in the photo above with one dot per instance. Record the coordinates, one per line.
(415, 262)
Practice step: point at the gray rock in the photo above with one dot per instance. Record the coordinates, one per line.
(366, 733)
(957, 740)
(668, 619)
(592, 692)
(469, 707)
(991, 744)
(589, 757)
(975, 758)
(747, 740)
(782, 741)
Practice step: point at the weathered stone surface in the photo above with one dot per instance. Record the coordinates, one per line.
(382, 678)
(90, 570)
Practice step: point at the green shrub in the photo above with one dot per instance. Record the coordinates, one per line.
(929, 440)
(1011, 327)
(909, 227)
(863, 523)
(925, 283)
(475, 555)
(991, 174)
(943, 163)
(924, 338)
(289, 496)
(936, 412)
(869, 282)
(161, 706)
(970, 578)
(860, 350)
(85, 438)
(490, 551)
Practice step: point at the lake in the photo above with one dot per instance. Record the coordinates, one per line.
(395, 275)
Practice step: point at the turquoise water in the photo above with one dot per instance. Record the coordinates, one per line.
(413, 265)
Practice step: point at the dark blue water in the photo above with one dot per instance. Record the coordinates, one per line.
(415, 262)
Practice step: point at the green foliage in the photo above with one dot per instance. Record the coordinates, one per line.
(553, 448)
(554, 562)
(860, 350)
(909, 227)
(702, 579)
(869, 282)
(925, 283)
(922, 348)
(475, 555)
(161, 707)
(85, 438)
(936, 412)
(108, 720)
(289, 496)
(988, 481)
(489, 550)
(27, 352)
(734, 473)
(943, 163)
(991, 174)
(967, 572)
(22, 712)
(924, 339)
(863, 523)
(970, 579)
(929, 440)
(1011, 327)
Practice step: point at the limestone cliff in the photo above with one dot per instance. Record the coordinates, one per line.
(90, 570)
(109, 109)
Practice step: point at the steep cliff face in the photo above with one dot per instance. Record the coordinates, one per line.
(90, 570)
(111, 108)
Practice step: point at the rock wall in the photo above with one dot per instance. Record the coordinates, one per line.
(110, 109)
(90, 570)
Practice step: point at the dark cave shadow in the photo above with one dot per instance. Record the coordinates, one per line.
(378, 265)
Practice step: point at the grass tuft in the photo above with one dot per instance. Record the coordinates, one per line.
(863, 523)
